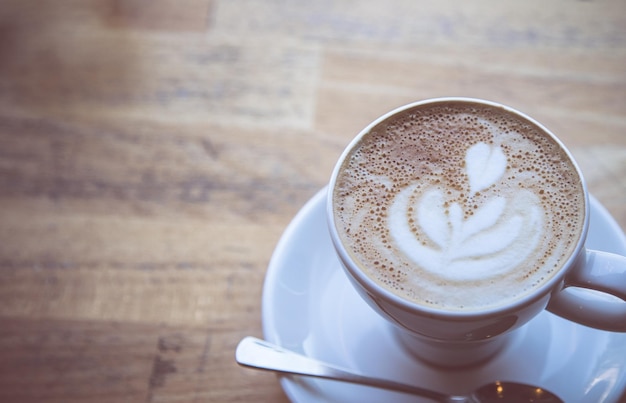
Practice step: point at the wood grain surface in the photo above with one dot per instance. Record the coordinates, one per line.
(152, 153)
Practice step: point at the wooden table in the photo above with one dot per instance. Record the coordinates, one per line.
(152, 153)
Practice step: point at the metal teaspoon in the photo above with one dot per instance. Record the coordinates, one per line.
(260, 354)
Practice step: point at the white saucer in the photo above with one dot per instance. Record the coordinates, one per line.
(310, 307)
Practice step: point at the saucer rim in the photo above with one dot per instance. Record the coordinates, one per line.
(285, 243)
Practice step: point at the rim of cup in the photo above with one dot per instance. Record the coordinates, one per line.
(374, 288)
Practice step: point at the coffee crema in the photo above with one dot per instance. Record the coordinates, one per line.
(458, 205)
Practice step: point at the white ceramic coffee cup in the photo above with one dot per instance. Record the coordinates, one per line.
(452, 337)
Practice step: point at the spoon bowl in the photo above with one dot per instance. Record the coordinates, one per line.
(513, 392)
(260, 354)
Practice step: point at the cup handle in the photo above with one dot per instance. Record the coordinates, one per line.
(600, 271)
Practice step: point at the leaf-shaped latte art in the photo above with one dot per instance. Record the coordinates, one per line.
(438, 228)
(485, 166)
(502, 236)
(495, 239)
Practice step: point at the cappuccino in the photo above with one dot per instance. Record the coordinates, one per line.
(457, 205)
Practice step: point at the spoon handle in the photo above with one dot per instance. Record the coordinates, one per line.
(260, 354)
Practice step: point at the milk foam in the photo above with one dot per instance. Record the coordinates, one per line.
(492, 241)
(458, 206)
(484, 166)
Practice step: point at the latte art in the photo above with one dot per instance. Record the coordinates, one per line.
(484, 165)
(458, 206)
(492, 241)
